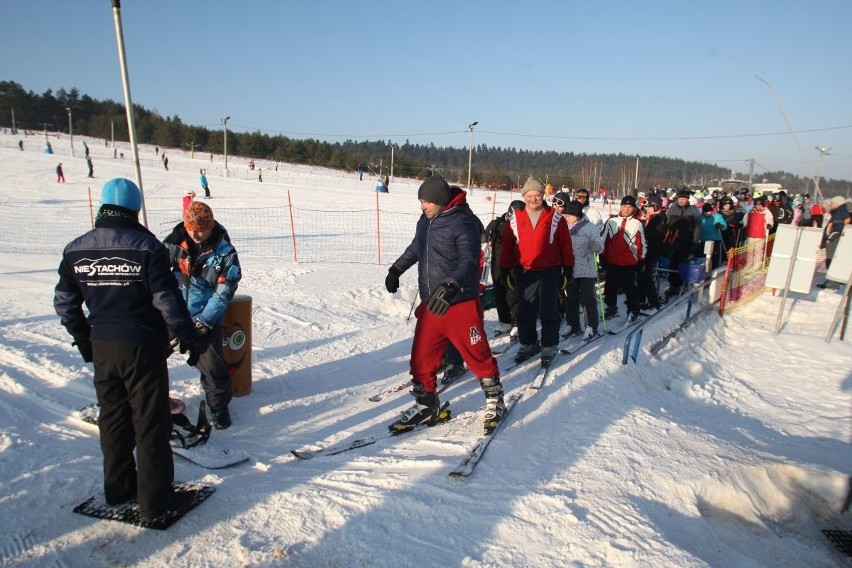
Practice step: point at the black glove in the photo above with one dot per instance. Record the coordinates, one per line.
(567, 276)
(392, 279)
(504, 278)
(201, 328)
(718, 226)
(507, 279)
(191, 346)
(84, 346)
(439, 302)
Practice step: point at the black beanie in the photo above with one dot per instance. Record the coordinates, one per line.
(435, 190)
(574, 208)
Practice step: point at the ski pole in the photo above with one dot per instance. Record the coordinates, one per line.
(598, 292)
(413, 300)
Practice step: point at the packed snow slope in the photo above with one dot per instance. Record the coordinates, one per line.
(730, 448)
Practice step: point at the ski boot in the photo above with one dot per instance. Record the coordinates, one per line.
(571, 331)
(526, 351)
(547, 354)
(495, 408)
(425, 410)
(451, 373)
(502, 329)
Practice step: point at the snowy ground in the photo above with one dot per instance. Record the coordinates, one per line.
(729, 449)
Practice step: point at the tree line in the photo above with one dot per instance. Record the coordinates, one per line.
(494, 167)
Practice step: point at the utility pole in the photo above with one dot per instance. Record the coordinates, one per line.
(470, 152)
(750, 174)
(70, 131)
(823, 152)
(636, 178)
(225, 122)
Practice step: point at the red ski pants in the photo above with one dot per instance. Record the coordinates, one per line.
(463, 326)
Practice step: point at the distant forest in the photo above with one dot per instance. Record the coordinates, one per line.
(493, 167)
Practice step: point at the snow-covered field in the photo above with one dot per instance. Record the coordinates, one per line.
(731, 448)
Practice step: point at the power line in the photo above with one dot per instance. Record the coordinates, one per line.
(658, 138)
(523, 135)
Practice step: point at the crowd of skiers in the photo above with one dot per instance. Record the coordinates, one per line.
(654, 231)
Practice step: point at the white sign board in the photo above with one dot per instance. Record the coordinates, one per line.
(841, 263)
(802, 265)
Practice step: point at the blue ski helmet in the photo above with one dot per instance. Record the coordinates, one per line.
(121, 192)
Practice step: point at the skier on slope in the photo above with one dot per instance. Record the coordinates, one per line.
(446, 248)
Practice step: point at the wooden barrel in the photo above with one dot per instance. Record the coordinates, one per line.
(236, 343)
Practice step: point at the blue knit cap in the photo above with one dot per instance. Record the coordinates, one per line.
(123, 193)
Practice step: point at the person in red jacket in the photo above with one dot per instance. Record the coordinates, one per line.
(624, 250)
(538, 256)
(187, 201)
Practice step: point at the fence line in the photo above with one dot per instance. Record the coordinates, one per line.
(323, 235)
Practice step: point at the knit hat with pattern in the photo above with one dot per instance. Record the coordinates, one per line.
(198, 217)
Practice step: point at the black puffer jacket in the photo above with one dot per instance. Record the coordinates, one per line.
(448, 246)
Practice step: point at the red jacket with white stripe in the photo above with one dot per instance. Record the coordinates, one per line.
(624, 241)
(547, 245)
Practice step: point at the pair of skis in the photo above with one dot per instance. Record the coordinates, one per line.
(480, 444)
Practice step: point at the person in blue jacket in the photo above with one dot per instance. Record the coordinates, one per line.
(446, 249)
(712, 226)
(121, 272)
(207, 269)
(204, 185)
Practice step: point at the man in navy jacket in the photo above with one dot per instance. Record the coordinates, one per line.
(446, 249)
(121, 272)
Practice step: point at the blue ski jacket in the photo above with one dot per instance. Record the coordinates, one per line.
(208, 280)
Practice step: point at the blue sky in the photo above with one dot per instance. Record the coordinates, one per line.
(664, 78)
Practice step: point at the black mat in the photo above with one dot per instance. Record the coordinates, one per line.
(129, 512)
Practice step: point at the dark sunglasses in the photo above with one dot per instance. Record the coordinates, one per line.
(582, 196)
(559, 202)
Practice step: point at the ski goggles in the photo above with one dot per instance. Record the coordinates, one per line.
(559, 202)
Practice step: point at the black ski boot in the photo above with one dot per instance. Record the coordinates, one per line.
(425, 410)
(547, 354)
(526, 351)
(451, 373)
(495, 408)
